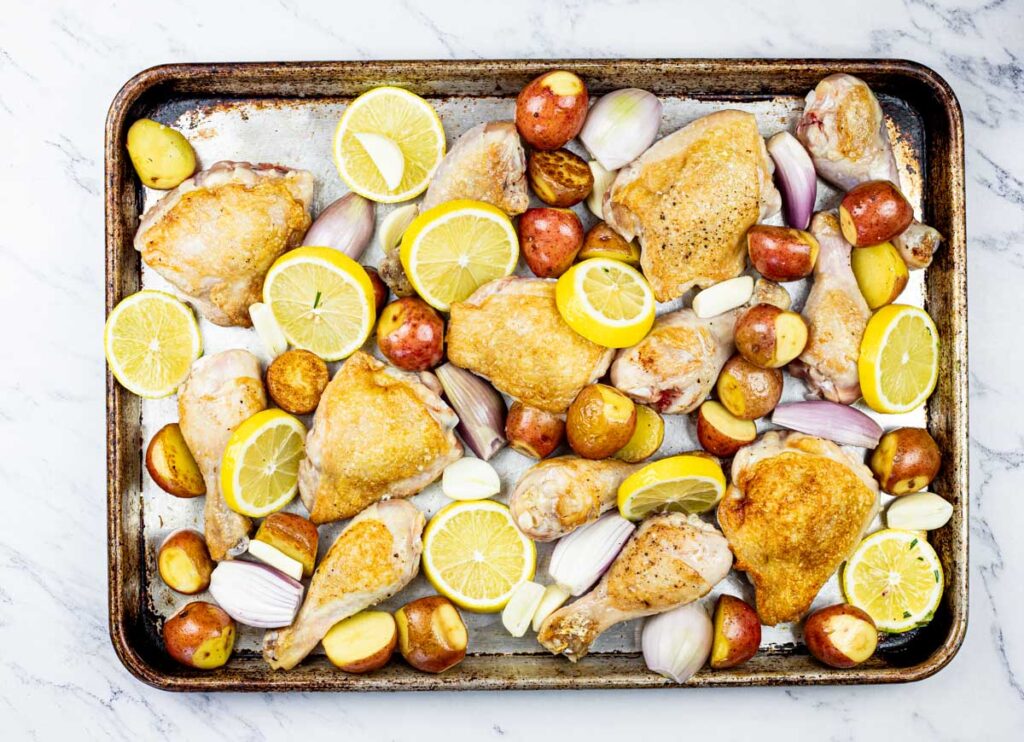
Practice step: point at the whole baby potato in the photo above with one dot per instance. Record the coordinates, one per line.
(770, 337)
(431, 634)
(840, 636)
(550, 239)
(295, 381)
(737, 633)
(171, 465)
(748, 391)
(533, 432)
(604, 242)
(558, 177)
(872, 212)
(551, 109)
(906, 460)
(162, 157)
(184, 562)
(292, 535)
(200, 635)
(600, 421)
(781, 253)
(647, 436)
(410, 334)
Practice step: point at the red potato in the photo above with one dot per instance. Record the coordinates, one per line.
(906, 460)
(200, 635)
(184, 562)
(362, 643)
(720, 432)
(748, 391)
(604, 242)
(880, 272)
(781, 253)
(533, 432)
(171, 465)
(550, 239)
(551, 109)
(647, 436)
(872, 212)
(559, 178)
(770, 337)
(737, 634)
(410, 334)
(840, 636)
(431, 634)
(380, 289)
(600, 421)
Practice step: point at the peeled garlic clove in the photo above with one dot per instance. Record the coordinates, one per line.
(553, 599)
(470, 479)
(603, 180)
(275, 558)
(519, 610)
(921, 511)
(393, 226)
(267, 329)
(723, 296)
(386, 155)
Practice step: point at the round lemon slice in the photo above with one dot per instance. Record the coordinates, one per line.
(899, 359)
(322, 300)
(393, 118)
(151, 340)
(606, 301)
(474, 555)
(259, 472)
(453, 249)
(687, 483)
(895, 577)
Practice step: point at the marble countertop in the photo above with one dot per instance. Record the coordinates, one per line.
(60, 65)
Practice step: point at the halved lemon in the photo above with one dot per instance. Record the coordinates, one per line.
(899, 359)
(687, 483)
(453, 249)
(474, 555)
(896, 577)
(322, 299)
(407, 121)
(259, 473)
(150, 340)
(606, 301)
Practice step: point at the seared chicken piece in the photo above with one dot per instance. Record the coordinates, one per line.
(672, 559)
(221, 392)
(836, 315)
(486, 164)
(378, 432)
(557, 496)
(690, 199)
(215, 236)
(795, 510)
(510, 331)
(376, 555)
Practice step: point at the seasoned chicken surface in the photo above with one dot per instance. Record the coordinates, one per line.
(376, 555)
(672, 559)
(557, 496)
(221, 392)
(215, 236)
(690, 199)
(378, 432)
(486, 164)
(510, 331)
(795, 510)
(836, 315)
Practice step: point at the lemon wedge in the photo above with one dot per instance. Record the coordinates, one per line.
(150, 340)
(687, 483)
(388, 144)
(453, 249)
(899, 359)
(259, 471)
(606, 301)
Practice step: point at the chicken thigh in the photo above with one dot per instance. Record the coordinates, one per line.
(836, 315)
(221, 392)
(215, 236)
(376, 555)
(672, 559)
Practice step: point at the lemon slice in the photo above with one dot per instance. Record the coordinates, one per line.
(259, 473)
(895, 577)
(899, 359)
(474, 555)
(406, 120)
(687, 483)
(322, 299)
(606, 301)
(150, 340)
(453, 249)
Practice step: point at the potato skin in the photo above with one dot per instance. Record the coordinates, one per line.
(551, 109)
(748, 391)
(293, 535)
(872, 212)
(782, 253)
(162, 156)
(171, 465)
(550, 239)
(737, 634)
(840, 636)
(600, 421)
(559, 177)
(720, 433)
(200, 635)
(760, 337)
(362, 643)
(532, 431)
(431, 634)
(184, 562)
(604, 242)
(410, 333)
(295, 381)
(906, 460)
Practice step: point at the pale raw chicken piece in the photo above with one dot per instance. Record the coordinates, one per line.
(510, 331)
(221, 392)
(216, 235)
(690, 199)
(486, 164)
(378, 432)
(557, 496)
(836, 315)
(376, 555)
(671, 560)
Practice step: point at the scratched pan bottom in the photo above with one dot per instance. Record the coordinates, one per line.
(291, 122)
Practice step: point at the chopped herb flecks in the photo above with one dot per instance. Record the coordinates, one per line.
(913, 543)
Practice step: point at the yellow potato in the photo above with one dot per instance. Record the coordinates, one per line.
(880, 272)
(162, 157)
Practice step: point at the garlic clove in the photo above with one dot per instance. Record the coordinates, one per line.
(267, 329)
(275, 558)
(723, 296)
(393, 226)
(470, 479)
(518, 612)
(603, 180)
(553, 599)
(920, 511)
(386, 155)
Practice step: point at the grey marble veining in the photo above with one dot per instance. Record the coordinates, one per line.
(60, 65)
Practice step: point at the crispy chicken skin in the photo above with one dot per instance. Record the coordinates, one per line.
(216, 235)
(557, 496)
(690, 199)
(486, 164)
(376, 555)
(795, 510)
(672, 559)
(378, 432)
(510, 331)
(221, 392)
